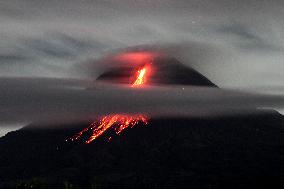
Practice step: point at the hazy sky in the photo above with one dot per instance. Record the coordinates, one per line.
(237, 44)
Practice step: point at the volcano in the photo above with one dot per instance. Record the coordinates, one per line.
(138, 69)
(164, 70)
(240, 151)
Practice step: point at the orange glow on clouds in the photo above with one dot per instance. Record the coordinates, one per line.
(136, 57)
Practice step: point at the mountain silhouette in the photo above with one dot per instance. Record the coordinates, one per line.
(240, 151)
(235, 152)
(164, 71)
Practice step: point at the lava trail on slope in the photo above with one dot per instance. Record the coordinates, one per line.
(117, 121)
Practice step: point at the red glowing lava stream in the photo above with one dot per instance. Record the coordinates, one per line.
(141, 78)
(117, 121)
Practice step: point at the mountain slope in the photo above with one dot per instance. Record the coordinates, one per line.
(163, 70)
(233, 152)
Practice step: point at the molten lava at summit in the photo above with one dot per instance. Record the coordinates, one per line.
(141, 78)
(117, 121)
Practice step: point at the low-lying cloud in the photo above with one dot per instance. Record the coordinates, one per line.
(31, 100)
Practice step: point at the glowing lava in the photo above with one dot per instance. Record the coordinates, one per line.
(141, 79)
(118, 121)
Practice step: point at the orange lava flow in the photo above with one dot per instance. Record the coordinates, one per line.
(117, 121)
(141, 79)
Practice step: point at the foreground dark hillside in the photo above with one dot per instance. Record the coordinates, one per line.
(232, 152)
